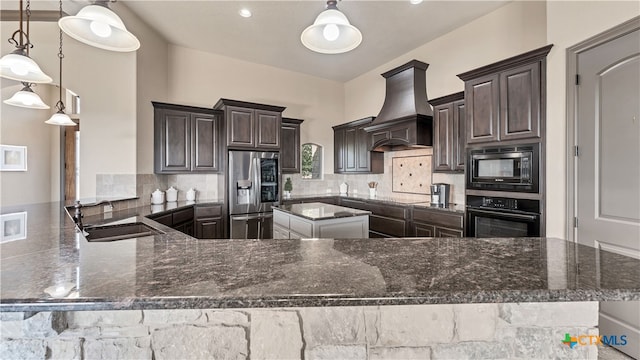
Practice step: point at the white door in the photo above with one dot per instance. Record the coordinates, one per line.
(608, 166)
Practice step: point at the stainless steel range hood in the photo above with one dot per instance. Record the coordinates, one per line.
(406, 118)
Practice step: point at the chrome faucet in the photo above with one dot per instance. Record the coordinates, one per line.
(77, 216)
(101, 202)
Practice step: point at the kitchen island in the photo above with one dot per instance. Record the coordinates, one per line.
(319, 220)
(173, 296)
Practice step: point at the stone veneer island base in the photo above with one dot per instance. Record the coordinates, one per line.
(438, 331)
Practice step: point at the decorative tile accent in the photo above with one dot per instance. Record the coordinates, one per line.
(411, 174)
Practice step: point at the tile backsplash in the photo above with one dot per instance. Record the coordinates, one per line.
(211, 186)
(358, 183)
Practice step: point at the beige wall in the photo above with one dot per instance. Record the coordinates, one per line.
(151, 84)
(25, 127)
(507, 31)
(569, 23)
(200, 79)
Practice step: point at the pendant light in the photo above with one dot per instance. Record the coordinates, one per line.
(26, 97)
(60, 118)
(331, 33)
(98, 26)
(18, 65)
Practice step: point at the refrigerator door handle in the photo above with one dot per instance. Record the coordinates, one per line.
(260, 229)
(258, 182)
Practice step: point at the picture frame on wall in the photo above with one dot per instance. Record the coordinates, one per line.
(13, 227)
(13, 158)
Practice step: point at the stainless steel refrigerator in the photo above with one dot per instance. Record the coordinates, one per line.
(254, 185)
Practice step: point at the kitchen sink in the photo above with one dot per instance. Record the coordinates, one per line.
(119, 232)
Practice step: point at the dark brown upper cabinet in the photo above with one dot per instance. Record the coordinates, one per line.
(250, 125)
(505, 100)
(290, 146)
(187, 139)
(449, 133)
(351, 149)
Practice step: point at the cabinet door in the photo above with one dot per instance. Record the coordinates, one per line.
(206, 143)
(363, 155)
(209, 228)
(443, 137)
(174, 145)
(350, 149)
(280, 232)
(450, 233)
(520, 102)
(338, 151)
(423, 230)
(240, 127)
(459, 135)
(268, 125)
(290, 148)
(482, 110)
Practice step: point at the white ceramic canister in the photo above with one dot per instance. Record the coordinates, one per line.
(344, 188)
(191, 194)
(157, 197)
(172, 194)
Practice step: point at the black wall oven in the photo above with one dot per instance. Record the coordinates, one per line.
(502, 217)
(504, 168)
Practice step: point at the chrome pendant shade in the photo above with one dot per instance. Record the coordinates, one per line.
(98, 26)
(27, 98)
(331, 32)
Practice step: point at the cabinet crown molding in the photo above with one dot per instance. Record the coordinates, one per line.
(245, 104)
(524, 58)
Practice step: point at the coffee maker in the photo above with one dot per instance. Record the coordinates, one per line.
(440, 194)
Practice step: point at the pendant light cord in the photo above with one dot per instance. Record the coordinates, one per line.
(60, 105)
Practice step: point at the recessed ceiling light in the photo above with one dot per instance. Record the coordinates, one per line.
(415, 2)
(245, 12)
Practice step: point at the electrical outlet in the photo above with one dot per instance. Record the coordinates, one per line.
(107, 208)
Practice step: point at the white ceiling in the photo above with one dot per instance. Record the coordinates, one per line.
(272, 35)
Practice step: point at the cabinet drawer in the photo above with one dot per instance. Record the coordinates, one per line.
(439, 218)
(393, 227)
(182, 216)
(208, 211)
(354, 204)
(391, 211)
(166, 219)
(442, 232)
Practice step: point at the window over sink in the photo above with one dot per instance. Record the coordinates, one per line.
(311, 161)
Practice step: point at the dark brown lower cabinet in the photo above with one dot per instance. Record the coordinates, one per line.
(209, 222)
(423, 230)
(202, 221)
(179, 219)
(386, 220)
(437, 223)
(210, 228)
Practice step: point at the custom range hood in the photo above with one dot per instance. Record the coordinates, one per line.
(406, 118)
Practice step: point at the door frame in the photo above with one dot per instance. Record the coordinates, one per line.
(572, 113)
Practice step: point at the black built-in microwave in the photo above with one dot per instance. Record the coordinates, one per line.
(504, 168)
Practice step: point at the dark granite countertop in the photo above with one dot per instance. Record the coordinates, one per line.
(53, 268)
(405, 200)
(319, 211)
